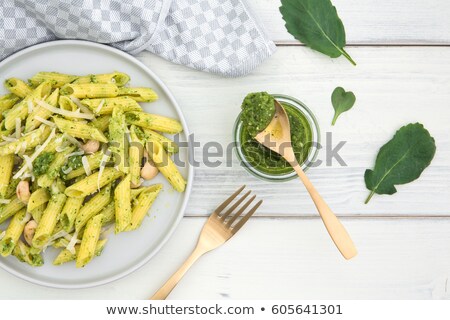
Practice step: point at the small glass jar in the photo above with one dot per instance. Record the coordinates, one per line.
(312, 153)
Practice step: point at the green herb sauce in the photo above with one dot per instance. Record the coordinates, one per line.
(73, 162)
(257, 112)
(42, 163)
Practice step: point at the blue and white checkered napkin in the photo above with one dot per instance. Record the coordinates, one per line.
(218, 36)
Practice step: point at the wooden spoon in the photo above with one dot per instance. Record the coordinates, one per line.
(277, 137)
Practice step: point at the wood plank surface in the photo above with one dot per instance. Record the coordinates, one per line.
(393, 85)
(369, 22)
(403, 55)
(288, 258)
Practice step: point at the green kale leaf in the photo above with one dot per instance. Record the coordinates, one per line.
(400, 160)
(316, 24)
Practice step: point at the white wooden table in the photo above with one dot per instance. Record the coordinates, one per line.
(403, 75)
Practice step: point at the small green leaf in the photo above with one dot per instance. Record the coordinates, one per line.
(401, 160)
(316, 24)
(342, 101)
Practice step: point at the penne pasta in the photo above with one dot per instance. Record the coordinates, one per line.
(37, 212)
(24, 254)
(166, 166)
(102, 122)
(9, 209)
(90, 90)
(117, 78)
(7, 102)
(20, 110)
(6, 167)
(48, 220)
(57, 79)
(143, 205)
(93, 160)
(79, 129)
(92, 183)
(92, 207)
(11, 190)
(38, 197)
(122, 202)
(66, 256)
(27, 142)
(139, 94)
(89, 242)
(70, 212)
(118, 140)
(109, 213)
(53, 171)
(18, 87)
(33, 121)
(154, 122)
(136, 152)
(107, 105)
(13, 232)
(66, 103)
(168, 145)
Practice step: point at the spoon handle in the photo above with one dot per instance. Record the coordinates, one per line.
(334, 227)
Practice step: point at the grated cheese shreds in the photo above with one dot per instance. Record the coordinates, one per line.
(103, 162)
(17, 151)
(72, 243)
(30, 106)
(67, 171)
(58, 235)
(53, 238)
(46, 122)
(5, 201)
(104, 233)
(2, 235)
(80, 105)
(24, 147)
(28, 162)
(18, 128)
(61, 148)
(72, 139)
(27, 217)
(65, 112)
(76, 153)
(36, 153)
(100, 106)
(9, 139)
(86, 166)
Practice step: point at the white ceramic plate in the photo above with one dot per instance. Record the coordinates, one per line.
(127, 251)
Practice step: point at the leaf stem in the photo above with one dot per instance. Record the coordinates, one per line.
(336, 115)
(345, 54)
(369, 197)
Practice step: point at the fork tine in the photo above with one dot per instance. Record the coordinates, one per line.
(246, 217)
(227, 202)
(233, 218)
(234, 206)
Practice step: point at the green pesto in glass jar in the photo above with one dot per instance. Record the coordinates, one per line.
(257, 112)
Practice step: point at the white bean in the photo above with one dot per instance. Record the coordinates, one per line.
(29, 230)
(149, 171)
(91, 146)
(23, 191)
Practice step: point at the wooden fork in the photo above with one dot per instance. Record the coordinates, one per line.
(217, 230)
